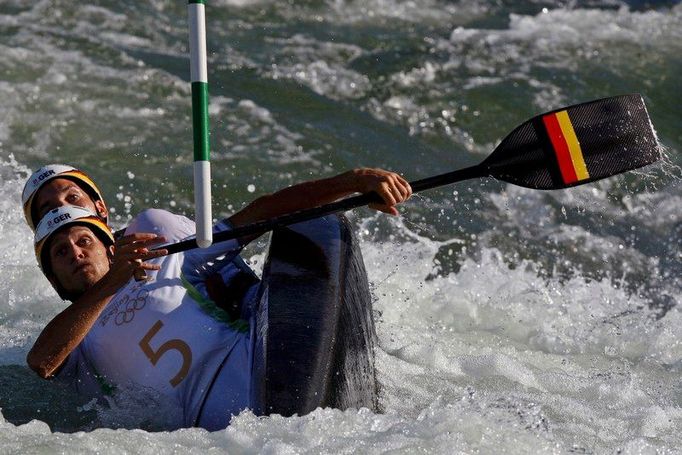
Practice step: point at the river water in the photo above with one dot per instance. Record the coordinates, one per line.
(509, 320)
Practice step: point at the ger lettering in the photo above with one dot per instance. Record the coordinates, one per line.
(60, 218)
(44, 175)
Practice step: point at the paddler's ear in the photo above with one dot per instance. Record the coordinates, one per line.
(110, 253)
(101, 208)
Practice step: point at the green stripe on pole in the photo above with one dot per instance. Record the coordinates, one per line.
(203, 2)
(200, 120)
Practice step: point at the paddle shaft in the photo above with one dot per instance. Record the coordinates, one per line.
(327, 209)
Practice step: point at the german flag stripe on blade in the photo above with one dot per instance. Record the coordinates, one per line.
(566, 147)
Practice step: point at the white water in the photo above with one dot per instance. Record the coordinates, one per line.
(481, 359)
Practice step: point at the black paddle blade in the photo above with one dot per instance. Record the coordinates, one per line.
(577, 144)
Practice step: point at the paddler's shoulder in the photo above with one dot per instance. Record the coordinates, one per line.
(162, 222)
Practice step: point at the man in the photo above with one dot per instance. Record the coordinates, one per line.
(141, 336)
(163, 334)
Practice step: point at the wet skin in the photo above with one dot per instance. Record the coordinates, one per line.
(78, 258)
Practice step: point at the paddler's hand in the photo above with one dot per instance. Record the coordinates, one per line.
(130, 254)
(392, 188)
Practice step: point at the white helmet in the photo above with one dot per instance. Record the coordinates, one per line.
(58, 218)
(49, 172)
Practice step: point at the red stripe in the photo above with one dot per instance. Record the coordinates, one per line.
(560, 148)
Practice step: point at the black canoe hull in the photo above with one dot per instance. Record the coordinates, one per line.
(316, 336)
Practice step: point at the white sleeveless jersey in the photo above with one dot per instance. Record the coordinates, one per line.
(163, 333)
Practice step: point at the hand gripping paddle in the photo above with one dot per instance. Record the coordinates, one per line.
(560, 149)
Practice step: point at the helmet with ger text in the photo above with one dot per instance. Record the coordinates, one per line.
(47, 173)
(59, 218)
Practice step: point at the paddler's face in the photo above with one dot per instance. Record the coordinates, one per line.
(78, 258)
(59, 192)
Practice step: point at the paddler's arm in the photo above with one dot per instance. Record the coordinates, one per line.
(63, 333)
(392, 188)
(66, 330)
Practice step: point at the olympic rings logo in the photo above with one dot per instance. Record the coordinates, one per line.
(127, 307)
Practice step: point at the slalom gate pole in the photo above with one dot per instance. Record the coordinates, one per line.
(199, 79)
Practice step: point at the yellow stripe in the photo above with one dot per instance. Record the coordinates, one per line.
(573, 145)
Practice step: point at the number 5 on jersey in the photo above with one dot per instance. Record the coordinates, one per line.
(170, 345)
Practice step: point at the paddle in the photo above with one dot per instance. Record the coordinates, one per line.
(559, 149)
